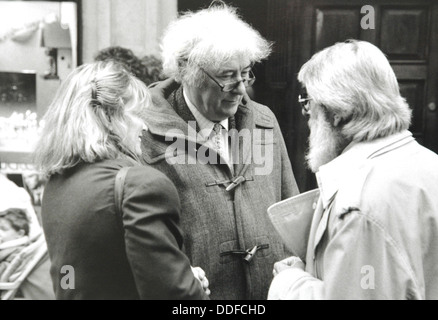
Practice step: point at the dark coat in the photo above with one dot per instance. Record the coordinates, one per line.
(220, 225)
(136, 256)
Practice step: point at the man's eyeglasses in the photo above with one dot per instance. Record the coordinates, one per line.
(304, 101)
(231, 85)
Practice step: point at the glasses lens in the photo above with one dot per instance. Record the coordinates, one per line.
(230, 86)
(247, 82)
(303, 102)
(250, 82)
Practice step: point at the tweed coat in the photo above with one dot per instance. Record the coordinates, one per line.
(226, 229)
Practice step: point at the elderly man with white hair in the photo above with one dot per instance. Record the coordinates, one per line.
(225, 153)
(374, 233)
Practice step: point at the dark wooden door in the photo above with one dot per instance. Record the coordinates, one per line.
(406, 31)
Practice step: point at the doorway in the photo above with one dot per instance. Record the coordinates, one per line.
(407, 32)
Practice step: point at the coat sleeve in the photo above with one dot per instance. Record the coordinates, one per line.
(360, 262)
(153, 239)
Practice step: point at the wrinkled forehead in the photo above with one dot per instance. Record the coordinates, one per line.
(236, 63)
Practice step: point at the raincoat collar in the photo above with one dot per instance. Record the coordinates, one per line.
(331, 175)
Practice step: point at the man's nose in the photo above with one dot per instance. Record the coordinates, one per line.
(239, 89)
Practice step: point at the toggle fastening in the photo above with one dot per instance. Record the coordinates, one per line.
(248, 254)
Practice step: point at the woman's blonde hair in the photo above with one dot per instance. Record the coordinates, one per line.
(92, 118)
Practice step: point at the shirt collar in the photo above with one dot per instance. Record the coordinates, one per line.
(331, 175)
(205, 125)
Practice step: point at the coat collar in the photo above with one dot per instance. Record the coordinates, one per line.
(169, 116)
(331, 175)
(169, 112)
(161, 115)
(205, 124)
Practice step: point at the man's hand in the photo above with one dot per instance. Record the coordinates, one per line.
(291, 262)
(200, 275)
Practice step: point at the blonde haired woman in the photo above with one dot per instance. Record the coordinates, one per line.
(92, 130)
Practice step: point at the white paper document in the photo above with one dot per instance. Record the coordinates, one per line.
(292, 218)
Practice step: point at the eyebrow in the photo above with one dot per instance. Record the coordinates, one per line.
(233, 70)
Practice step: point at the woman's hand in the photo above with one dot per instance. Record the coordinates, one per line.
(200, 275)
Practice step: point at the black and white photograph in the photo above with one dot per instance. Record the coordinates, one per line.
(229, 152)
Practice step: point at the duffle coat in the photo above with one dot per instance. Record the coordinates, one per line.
(227, 231)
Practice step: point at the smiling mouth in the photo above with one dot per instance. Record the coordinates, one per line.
(232, 101)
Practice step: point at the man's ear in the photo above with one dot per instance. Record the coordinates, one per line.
(21, 232)
(337, 119)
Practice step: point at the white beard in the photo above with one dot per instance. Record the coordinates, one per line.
(324, 142)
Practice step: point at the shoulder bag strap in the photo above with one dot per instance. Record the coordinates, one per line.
(118, 189)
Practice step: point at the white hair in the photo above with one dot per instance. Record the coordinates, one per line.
(209, 38)
(354, 80)
(92, 118)
(325, 143)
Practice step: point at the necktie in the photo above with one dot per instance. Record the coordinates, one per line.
(220, 146)
(217, 139)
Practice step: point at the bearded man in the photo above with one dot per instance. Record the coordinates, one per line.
(374, 232)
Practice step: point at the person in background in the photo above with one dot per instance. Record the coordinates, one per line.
(14, 231)
(29, 275)
(14, 224)
(148, 69)
(153, 69)
(92, 131)
(374, 233)
(23, 267)
(225, 184)
(14, 196)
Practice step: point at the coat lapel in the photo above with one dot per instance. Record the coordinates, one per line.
(317, 230)
(179, 104)
(310, 256)
(170, 117)
(243, 120)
